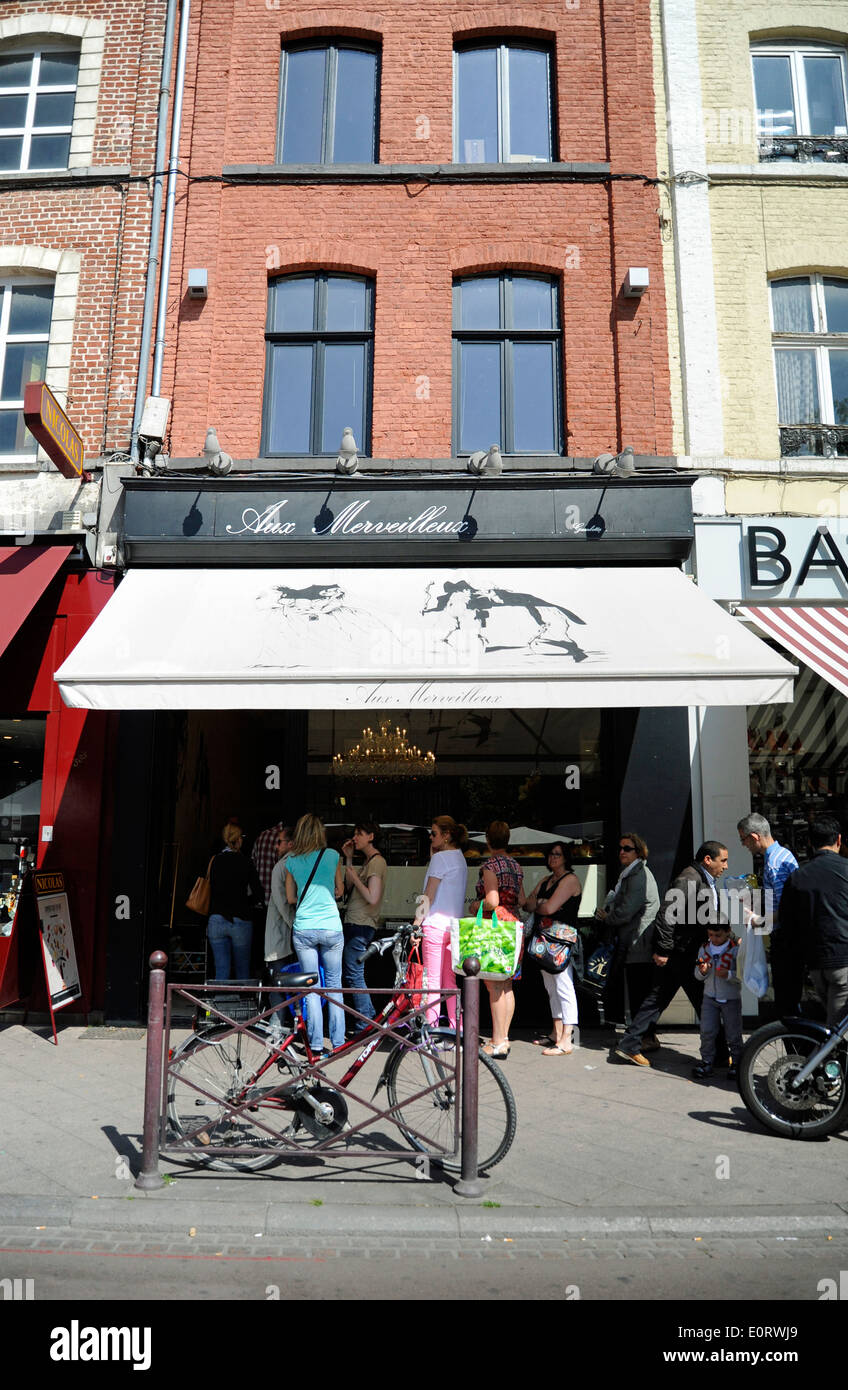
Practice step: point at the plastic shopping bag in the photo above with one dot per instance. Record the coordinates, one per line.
(751, 962)
(495, 941)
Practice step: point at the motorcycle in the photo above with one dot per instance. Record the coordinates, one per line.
(793, 1076)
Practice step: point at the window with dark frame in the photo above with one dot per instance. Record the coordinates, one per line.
(328, 103)
(800, 91)
(319, 355)
(26, 308)
(810, 339)
(38, 89)
(507, 364)
(503, 108)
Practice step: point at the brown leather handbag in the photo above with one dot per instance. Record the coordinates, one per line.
(200, 896)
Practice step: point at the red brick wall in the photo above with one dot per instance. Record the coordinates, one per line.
(412, 238)
(107, 226)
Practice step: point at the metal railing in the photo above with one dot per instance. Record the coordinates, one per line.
(804, 149)
(820, 441)
(258, 1107)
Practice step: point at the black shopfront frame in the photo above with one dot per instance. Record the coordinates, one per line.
(523, 520)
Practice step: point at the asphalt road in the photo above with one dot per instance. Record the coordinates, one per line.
(741, 1270)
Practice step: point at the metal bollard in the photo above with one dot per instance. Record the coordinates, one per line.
(150, 1178)
(469, 1184)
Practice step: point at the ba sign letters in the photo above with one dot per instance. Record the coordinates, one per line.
(789, 555)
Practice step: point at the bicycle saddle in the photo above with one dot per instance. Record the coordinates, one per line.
(298, 981)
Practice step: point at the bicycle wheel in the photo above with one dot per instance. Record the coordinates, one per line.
(769, 1062)
(431, 1062)
(208, 1076)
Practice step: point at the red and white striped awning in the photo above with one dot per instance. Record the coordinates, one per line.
(818, 636)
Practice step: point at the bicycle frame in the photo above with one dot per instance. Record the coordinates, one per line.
(308, 1082)
(396, 1009)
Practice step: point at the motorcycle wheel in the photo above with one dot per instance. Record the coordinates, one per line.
(771, 1058)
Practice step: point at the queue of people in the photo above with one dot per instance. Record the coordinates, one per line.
(323, 909)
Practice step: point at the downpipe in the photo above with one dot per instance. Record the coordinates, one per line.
(150, 287)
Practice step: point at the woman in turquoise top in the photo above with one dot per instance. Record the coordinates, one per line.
(317, 933)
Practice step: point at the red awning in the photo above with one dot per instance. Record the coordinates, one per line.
(818, 636)
(25, 572)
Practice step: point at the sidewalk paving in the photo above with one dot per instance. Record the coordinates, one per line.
(601, 1148)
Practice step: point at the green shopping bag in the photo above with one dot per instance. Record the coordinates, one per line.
(497, 943)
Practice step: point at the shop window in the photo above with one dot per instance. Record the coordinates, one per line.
(801, 93)
(25, 311)
(502, 104)
(798, 761)
(810, 336)
(328, 104)
(539, 769)
(320, 344)
(21, 759)
(38, 88)
(506, 343)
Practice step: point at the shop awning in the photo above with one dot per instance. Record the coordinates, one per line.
(818, 636)
(25, 572)
(373, 639)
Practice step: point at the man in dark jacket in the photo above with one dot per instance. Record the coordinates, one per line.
(814, 909)
(689, 907)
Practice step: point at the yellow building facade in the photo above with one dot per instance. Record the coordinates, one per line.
(765, 218)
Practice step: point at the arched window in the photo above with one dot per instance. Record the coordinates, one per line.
(38, 87)
(320, 344)
(328, 103)
(26, 306)
(801, 93)
(506, 362)
(810, 337)
(502, 103)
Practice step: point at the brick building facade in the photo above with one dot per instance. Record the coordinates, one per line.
(79, 97)
(582, 218)
(88, 224)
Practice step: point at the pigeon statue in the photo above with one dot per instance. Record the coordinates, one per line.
(491, 463)
(348, 459)
(604, 463)
(625, 465)
(217, 461)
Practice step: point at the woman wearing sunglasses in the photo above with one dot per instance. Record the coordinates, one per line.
(557, 899)
(443, 900)
(630, 910)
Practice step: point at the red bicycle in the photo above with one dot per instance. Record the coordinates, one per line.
(242, 1097)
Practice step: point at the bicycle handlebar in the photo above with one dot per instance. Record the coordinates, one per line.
(379, 948)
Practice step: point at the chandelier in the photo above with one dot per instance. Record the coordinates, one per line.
(384, 755)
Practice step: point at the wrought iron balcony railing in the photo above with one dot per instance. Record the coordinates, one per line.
(821, 441)
(804, 149)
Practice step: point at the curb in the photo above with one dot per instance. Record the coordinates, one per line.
(149, 1214)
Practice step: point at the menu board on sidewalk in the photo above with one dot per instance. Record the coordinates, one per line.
(57, 940)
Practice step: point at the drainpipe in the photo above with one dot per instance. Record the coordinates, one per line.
(173, 163)
(156, 215)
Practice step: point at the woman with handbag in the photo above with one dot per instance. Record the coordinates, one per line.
(499, 887)
(554, 902)
(630, 910)
(314, 882)
(235, 890)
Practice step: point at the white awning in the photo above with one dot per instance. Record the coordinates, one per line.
(374, 639)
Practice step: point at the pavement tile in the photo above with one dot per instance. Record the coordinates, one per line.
(631, 1145)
